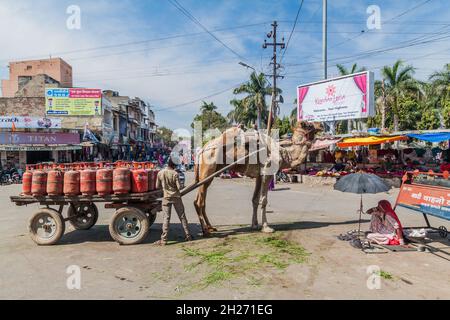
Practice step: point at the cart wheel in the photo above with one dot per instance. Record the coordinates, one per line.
(83, 216)
(443, 232)
(129, 226)
(46, 227)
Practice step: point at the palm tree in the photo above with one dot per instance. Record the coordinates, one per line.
(241, 114)
(343, 71)
(208, 110)
(207, 107)
(256, 89)
(399, 81)
(441, 83)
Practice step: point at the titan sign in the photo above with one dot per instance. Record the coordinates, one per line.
(29, 123)
(73, 102)
(348, 97)
(38, 138)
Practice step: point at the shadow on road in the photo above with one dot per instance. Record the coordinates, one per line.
(100, 233)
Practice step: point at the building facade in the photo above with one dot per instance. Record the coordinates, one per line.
(23, 71)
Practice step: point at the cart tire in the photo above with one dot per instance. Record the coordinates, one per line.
(129, 226)
(151, 217)
(46, 227)
(443, 232)
(83, 216)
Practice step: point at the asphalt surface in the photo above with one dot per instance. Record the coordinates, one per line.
(308, 216)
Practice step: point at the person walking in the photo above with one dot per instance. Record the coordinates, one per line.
(169, 181)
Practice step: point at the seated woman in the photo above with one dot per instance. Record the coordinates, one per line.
(385, 227)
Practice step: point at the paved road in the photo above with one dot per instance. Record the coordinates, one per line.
(310, 217)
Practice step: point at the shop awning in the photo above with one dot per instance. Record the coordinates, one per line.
(431, 137)
(366, 141)
(323, 143)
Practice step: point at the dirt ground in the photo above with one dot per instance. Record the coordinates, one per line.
(302, 260)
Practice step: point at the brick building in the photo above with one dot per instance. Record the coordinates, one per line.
(22, 71)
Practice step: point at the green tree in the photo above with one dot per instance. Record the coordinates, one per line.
(399, 81)
(210, 118)
(256, 91)
(283, 125)
(343, 71)
(440, 81)
(241, 114)
(166, 135)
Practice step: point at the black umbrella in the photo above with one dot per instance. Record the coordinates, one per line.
(361, 183)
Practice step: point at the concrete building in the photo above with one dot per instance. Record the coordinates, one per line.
(22, 71)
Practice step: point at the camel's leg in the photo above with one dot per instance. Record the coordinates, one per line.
(255, 202)
(199, 204)
(264, 191)
(205, 216)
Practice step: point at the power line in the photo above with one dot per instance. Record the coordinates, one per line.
(200, 99)
(183, 10)
(366, 30)
(133, 43)
(293, 29)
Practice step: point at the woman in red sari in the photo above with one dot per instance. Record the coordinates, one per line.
(385, 226)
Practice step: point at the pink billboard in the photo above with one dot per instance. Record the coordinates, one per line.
(343, 98)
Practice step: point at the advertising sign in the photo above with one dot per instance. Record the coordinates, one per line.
(30, 123)
(73, 102)
(430, 200)
(348, 97)
(39, 138)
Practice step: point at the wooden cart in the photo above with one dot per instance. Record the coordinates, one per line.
(130, 224)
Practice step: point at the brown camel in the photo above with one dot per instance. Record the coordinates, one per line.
(235, 144)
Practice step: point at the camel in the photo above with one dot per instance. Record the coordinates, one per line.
(235, 144)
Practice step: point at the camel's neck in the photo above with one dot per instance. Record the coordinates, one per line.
(295, 155)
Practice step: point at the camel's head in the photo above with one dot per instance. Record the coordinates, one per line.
(305, 131)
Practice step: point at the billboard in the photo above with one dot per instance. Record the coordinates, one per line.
(343, 98)
(29, 123)
(73, 102)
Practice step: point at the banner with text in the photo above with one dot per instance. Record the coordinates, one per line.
(73, 102)
(348, 97)
(29, 123)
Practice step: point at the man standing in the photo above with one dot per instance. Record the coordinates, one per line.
(168, 180)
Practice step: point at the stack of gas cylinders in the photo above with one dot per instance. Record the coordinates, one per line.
(89, 179)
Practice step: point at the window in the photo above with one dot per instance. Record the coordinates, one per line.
(29, 67)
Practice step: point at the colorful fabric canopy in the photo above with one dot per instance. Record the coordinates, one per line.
(431, 137)
(365, 141)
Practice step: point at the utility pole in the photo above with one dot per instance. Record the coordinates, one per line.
(276, 66)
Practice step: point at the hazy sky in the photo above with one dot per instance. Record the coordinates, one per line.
(151, 50)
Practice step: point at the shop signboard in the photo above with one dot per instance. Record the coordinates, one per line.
(343, 98)
(427, 199)
(73, 102)
(6, 122)
(38, 138)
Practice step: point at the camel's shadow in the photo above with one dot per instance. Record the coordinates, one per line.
(100, 233)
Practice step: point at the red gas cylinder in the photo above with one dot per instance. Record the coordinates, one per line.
(151, 184)
(139, 181)
(39, 183)
(155, 177)
(88, 182)
(121, 181)
(26, 181)
(55, 183)
(104, 182)
(72, 183)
